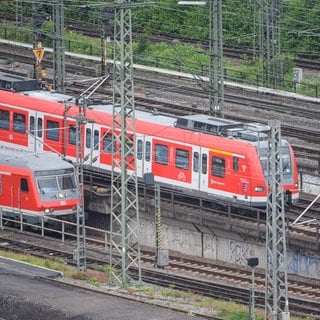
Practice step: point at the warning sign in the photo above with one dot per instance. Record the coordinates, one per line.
(39, 52)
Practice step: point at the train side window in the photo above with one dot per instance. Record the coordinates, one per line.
(235, 164)
(204, 164)
(161, 154)
(40, 127)
(19, 122)
(286, 163)
(107, 143)
(4, 119)
(32, 125)
(88, 138)
(148, 151)
(196, 162)
(182, 159)
(52, 130)
(72, 135)
(139, 149)
(218, 167)
(24, 185)
(96, 139)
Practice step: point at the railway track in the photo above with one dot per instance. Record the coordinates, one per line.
(300, 121)
(208, 278)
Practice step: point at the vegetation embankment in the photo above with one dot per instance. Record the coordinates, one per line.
(240, 28)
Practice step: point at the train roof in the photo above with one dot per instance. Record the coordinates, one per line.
(29, 160)
(150, 121)
(250, 132)
(49, 95)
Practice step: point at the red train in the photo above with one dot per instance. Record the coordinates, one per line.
(35, 186)
(211, 157)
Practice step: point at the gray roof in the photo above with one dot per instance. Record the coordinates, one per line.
(31, 160)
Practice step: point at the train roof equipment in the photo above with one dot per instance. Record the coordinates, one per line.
(12, 82)
(216, 126)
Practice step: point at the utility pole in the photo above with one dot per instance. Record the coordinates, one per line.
(38, 50)
(59, 73)
(270, 43)
(106, 16)
(125, 224)
(19, 14)
(80, 252)
(276, 294)
(216, 73)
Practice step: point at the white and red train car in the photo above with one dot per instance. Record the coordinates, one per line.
(211, 157)
(36, 186)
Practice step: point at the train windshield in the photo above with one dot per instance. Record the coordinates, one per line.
(286, 162)
(56, 180)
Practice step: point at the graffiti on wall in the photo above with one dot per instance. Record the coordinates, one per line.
(239, 252)
(304, 264)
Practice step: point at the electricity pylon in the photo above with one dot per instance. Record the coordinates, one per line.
(276, 293)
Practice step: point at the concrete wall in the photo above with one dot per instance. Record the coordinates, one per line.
(310, 184)
(221, 245)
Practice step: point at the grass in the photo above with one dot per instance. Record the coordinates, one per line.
(228, 310)
(176, 56)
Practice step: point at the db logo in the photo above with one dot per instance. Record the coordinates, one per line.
(181, 176)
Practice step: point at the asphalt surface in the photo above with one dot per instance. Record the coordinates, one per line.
(25, 294)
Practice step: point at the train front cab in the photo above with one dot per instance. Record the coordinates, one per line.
(18, 195)
(233, 177)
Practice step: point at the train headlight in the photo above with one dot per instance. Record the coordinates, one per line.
(258, 189)
(48, 210)
(60, 195)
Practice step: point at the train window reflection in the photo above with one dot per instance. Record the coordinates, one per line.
(182, 159)
(88, 138)
(72, 135)
(48, 184)
(107, 143)
(139, 149)
(264, 164)
(32, 125)
(196, 162)
(204, 164)
(4, 119)
(53, 130)
(39, 127)
(61, 180)
(148, 151)
(24, 185)
(218, 167)
(161, 155)
(96, 139)
(286, 164)
(19, 122)
(67, 182)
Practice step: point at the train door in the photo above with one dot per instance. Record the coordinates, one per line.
(92, 144)
(143, 155)
(35, 136)
(200, 168)
(196, 168)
